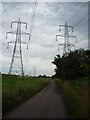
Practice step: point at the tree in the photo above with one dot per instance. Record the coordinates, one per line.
(74, 65)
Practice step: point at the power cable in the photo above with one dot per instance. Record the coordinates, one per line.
(32, 20)
(77, 13)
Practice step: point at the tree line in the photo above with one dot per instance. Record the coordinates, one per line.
(75, 64)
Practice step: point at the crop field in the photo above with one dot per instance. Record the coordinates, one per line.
(75, 94)
(16, 89)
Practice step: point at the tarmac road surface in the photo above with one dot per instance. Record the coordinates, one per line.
(48, 103)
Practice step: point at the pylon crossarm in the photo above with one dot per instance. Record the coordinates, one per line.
(60, 44)
(13, 22)
(24, 23)
(70, 27)
(24, 33)
(61, 26)
(13, 32)
(9, 43)
(59, 36)
(73, 37)
(18, 22)
(25, 43)
(10, 33)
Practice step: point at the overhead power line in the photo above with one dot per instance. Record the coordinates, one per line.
(32, 21)
(77, 12)
(9, 17)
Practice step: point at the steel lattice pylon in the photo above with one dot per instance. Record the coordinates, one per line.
(66, 45)
(16, 65)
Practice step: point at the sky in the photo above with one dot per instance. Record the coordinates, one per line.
(43, 46)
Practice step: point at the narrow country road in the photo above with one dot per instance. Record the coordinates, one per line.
(46, 104)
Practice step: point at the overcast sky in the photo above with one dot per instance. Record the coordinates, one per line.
(42, 46)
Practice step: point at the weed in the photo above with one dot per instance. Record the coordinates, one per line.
(16, 90)
(75, 94)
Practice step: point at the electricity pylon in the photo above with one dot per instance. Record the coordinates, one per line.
(16, 65)
(34, 71)
(66, 45)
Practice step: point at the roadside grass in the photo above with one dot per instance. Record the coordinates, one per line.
(0, 96)
(16, 90)
(75, 94)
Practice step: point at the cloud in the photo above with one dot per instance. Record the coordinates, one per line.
(43, 46)
(44, 0)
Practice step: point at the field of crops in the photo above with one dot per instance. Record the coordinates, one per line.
(75, 94)
(16, 90)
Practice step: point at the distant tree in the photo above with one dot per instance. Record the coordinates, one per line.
(43, 76)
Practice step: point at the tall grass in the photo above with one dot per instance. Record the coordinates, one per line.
(0, 96)
(17, 89)
(75, 94)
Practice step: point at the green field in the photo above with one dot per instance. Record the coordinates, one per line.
(0, 95)
(75, 94)
(16, 89)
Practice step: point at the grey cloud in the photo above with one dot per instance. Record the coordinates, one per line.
(48, 17)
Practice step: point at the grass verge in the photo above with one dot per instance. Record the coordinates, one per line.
(16, 90)
(75, 94)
